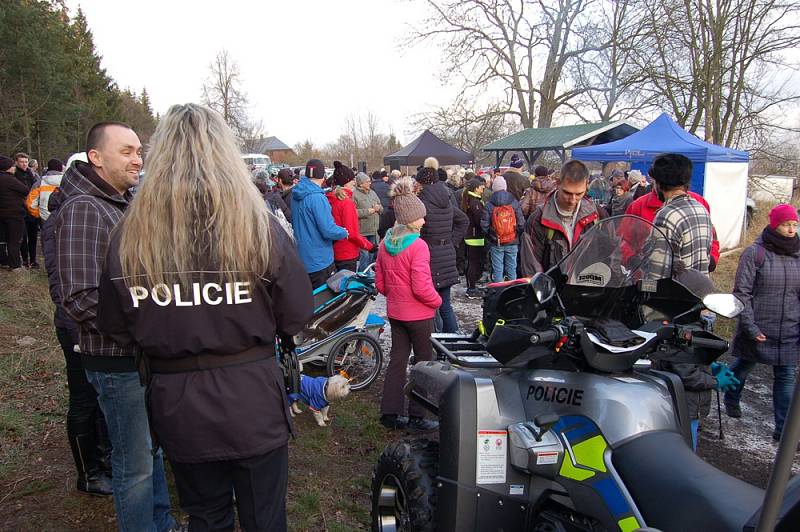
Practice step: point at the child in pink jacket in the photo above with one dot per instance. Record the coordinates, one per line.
(403, 275)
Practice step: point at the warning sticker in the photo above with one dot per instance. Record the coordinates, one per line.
(547, 457)
(492, 446)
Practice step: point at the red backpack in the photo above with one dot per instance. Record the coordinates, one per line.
(504, 223)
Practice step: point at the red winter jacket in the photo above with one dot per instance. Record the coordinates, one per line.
(344, 215)
(647, 206)
(405, 279)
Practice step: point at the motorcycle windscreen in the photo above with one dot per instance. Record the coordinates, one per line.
(613, 263)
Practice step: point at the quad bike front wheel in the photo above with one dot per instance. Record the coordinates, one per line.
(404, 487)
(358, 355)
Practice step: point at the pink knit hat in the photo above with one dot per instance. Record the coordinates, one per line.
(782, 213)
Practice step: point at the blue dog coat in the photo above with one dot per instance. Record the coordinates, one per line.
(312, 392)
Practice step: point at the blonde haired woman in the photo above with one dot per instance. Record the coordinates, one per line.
(201, 278)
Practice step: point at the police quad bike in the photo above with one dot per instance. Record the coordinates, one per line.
(556, 418)
(343, 334)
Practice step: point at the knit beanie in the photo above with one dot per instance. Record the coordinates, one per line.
(516, 162)
(429, 173)
(342, 174)
(5, 163)
(407, 206)
(315, 169)
(499, 183)
(782, 213)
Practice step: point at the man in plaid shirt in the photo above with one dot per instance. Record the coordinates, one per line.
(683, 220)
(96, 196)
(687, 230)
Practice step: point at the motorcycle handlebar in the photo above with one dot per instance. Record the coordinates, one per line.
(544, 337)
(707, 343)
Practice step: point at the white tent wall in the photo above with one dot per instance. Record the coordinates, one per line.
(725, 190)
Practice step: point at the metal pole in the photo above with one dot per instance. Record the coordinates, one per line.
(782, 467)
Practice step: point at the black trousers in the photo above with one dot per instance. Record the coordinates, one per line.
(83, 409)
(351, 265)
(205, 493)
(28, 246)
(11, 233)
(405, 336)
(475, 258)
(318, 278)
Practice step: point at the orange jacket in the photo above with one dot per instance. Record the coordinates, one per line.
(36, 202)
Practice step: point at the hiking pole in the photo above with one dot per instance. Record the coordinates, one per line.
(719, 418)
(782, 467)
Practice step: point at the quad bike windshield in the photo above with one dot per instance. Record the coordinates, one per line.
(615, 263)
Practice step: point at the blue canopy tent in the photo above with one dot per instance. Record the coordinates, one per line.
(719, 174)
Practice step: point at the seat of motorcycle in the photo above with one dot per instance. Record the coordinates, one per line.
(674, 489)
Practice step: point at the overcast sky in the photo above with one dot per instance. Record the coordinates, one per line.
(306, 64)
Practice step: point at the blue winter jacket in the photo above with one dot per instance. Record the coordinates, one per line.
(314, 228)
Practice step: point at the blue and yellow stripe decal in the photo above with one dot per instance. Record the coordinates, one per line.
(586, 464)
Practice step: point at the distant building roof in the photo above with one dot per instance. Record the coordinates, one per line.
(270, 144)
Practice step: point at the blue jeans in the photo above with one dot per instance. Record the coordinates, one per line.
(449, 323)
(782, 388)
(504, 261)
(365, 258)
(141, 498)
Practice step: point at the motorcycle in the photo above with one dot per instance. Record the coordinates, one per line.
(554, 415)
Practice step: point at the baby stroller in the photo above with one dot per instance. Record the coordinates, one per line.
(343, 334)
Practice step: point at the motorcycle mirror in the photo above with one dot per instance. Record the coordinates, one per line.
(726, 305)
(544, 288)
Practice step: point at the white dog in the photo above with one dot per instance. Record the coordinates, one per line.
(317, 392)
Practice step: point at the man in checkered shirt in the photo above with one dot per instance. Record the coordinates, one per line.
(683, 220)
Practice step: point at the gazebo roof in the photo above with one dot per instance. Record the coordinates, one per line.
(563, 137)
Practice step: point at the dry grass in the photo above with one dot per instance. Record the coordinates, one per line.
(330, 467)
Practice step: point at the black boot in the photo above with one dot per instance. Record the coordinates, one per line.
(103, 443)
(90, 477)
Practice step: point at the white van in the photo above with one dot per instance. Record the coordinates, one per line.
(256, 161)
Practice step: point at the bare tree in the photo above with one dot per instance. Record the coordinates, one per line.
(719, 66)
(362, 140)
(222, 91)
(252, 135)
(526, 47)
(609, 80)
(461, 125)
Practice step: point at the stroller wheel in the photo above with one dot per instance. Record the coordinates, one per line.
(360, 356)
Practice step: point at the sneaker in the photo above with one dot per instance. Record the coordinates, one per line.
(420, 425)
(394, 422)
(472, 293)
(35, 265)
(733, 410)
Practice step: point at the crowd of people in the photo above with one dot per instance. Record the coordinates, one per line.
(168, 306)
